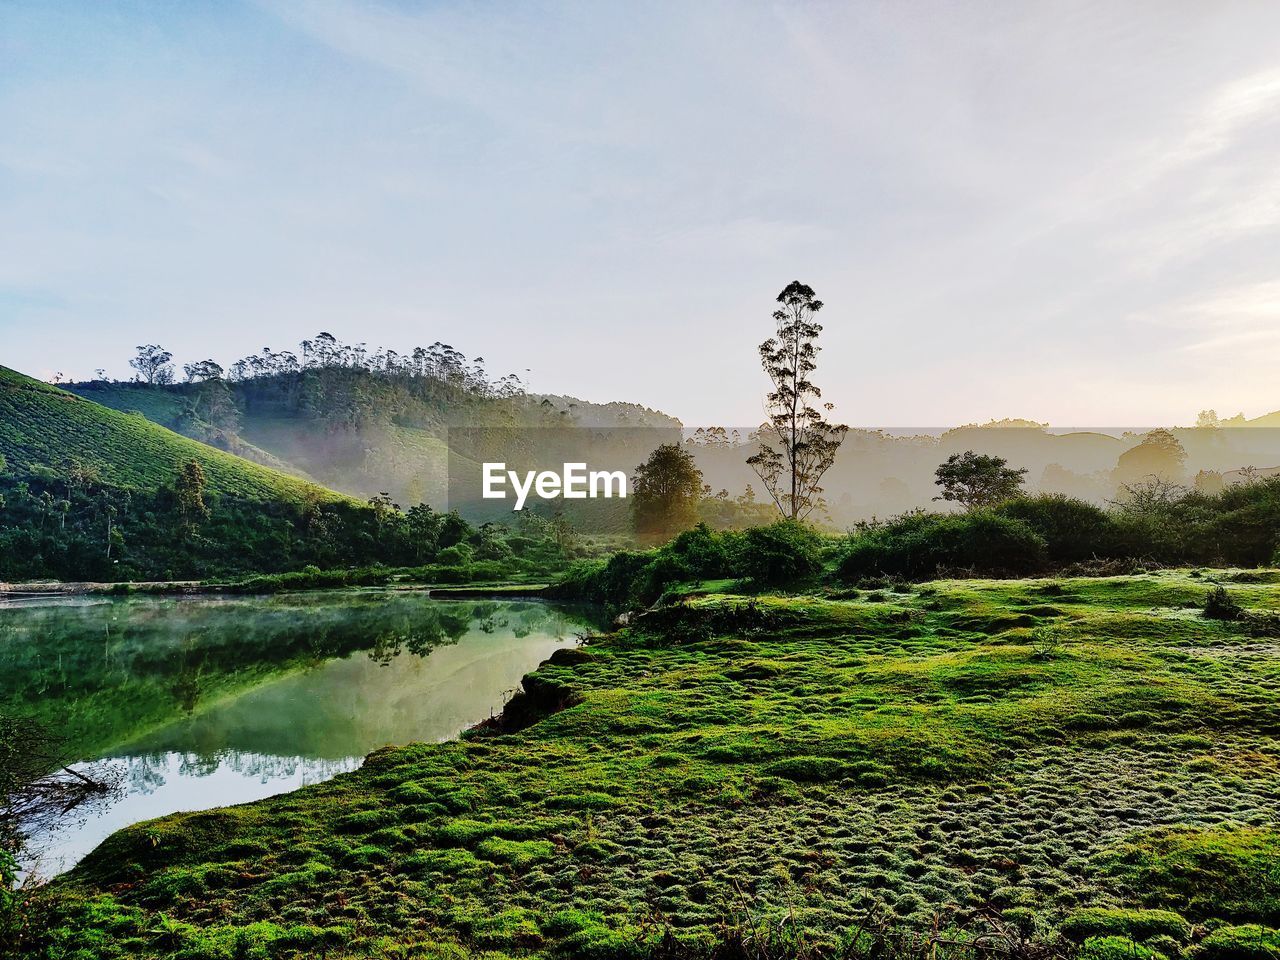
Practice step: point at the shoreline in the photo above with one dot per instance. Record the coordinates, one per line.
(54, 588)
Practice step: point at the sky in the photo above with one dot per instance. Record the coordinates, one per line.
(1065, 211)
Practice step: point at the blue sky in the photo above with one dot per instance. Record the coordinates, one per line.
(1063, 211)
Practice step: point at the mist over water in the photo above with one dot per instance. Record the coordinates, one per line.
(201, 702)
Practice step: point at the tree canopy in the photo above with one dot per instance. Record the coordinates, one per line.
(978, 480)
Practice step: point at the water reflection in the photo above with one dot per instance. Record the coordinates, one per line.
(201, 702)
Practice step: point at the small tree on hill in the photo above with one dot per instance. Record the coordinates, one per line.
(188, 496)
(977, 480)
(1159, 454)
(797, 445)
(665, 491)
(153, 363)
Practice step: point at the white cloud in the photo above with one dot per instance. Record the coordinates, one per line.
(1072, 206)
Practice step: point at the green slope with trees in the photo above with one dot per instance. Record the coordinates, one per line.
(90, 493)
(361, 421)
(43, 427)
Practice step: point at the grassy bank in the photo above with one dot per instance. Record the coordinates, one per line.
(774, 774)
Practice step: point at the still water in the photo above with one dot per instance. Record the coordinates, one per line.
(198, 702)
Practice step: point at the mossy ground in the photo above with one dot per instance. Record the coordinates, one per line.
(902, 756)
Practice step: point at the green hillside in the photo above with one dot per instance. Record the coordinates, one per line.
(42, 426)
(360, 427)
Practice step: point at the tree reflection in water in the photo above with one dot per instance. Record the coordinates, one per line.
(215, 700)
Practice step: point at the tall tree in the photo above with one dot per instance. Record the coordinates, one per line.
(188, 495)
(202, 370)
(153, 363)
(665, 490)
(798, 444)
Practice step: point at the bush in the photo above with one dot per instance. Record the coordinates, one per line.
(706, 553)
(918, 546)
(1220, 605)
(456, 556)
(1073, 530)
(493, 549)
(612, 582)
(781, 553)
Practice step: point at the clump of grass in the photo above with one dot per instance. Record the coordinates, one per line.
(1046, 642)
(1227, 872)
(1248, 942)
(1220, 605)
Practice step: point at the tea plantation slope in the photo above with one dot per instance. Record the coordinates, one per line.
(44, 427)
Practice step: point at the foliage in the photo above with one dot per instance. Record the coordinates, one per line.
(188, 496)
(202, 370)
(919, 546)
(1073, 530)
(978, 480)
(152, 363)
(1220, 605)
(797, 445)
(783, 553)
(1022, 536)
(665, 493)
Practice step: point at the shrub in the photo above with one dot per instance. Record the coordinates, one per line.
(456, 556)
(704, 552)
(919, 545)
(781, 553)
(611, 582)
(661, 572)
(493, 549)
(1220, 605)
(1072, 529)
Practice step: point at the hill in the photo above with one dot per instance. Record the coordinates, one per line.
(356, 430)
(91, 493)
(44, 428)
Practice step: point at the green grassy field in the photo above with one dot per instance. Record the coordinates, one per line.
(1035, 760)
(42, 426)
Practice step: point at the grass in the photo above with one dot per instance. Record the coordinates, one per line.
(42, 426)
(891, 760)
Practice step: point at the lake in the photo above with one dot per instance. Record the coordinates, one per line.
(197, 702)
